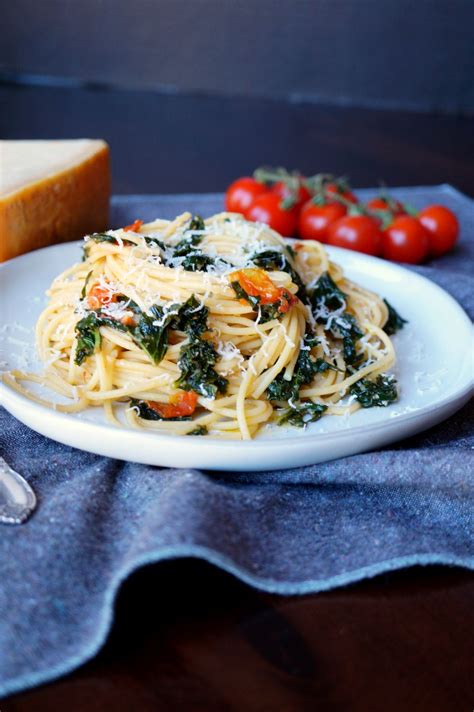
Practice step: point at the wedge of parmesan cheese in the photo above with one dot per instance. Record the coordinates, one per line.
(51, 191)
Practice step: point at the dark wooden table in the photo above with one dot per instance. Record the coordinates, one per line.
(187, 636)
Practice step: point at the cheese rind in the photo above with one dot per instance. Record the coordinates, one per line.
(61, 198)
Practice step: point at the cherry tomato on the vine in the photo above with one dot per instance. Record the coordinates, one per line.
(286, 193)
(356, 232)
(314, 220)
(241, 194)
(442, 226)
(405, 240)
(267, 209)
(381, 203)
(332, 189)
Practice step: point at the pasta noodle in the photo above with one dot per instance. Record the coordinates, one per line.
(210, 327)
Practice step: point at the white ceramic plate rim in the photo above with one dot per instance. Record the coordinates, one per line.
(206, 450)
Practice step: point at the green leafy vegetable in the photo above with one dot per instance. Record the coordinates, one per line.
(84, 288)
(346, 328)
(302, 414)
(200, 430)
(105, 237)
(152, 339)
(326, 299)
(195, 260)
(191, 318)
(154, 242)
(395, 322)
(196, 363)
(305, 370)
(326, 294)
(88, 337)
(101, 237)
(380, 392)
(271, 260)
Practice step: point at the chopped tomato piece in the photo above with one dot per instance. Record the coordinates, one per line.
(181, 404)
(256, 283)
(134, 227)
(287, 300)
(128, 320)
(100, 296)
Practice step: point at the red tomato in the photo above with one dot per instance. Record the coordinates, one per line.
(134, 227)
(314, 220)
(256, 283)
(267, 209)
(381, 203)
(286, 193)
(405, 240)
(356, 232)
(181, 404)
(442, 226)
(241, 194)
(335, 189)
(100, 296)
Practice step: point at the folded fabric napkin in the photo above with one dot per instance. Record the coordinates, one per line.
(291, 532)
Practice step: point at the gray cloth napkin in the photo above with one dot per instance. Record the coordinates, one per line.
(291, 532)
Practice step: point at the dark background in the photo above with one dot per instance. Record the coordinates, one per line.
(192, 93)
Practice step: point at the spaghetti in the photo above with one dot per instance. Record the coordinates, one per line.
(219, 327)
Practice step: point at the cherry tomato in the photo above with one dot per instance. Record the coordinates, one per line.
(335, 189)
(256, 283)
(267, 209)
(442, 226)
(405, 240)
(356, 232)
(381, 203)
(181, 404)
(241, 194)
(314, 220)
(285, 192)
(134, 227)
(100, 296)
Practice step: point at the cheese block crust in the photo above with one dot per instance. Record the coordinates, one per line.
(63, 206)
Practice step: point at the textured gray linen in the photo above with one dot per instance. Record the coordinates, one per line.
(291, 531)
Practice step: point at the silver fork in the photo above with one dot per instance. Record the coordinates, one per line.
(17, 499)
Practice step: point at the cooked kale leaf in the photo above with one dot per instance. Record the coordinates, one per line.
(196, 362)
(395, 322)
(346, 328)
(302, 414)
(305, 370)
(191, 318)
(154, 242)
(84, 288)
(200, 430)
(105, 237)
(327, 294)
(326, 299)
(271, 260)
(380, 392)
(88, 337)
(197, 223)
(195, 260)
(152, 339)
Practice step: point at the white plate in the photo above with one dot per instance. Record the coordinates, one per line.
(434, 370)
